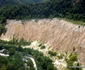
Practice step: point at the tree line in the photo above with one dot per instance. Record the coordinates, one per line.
(70, 9)
(50, 9)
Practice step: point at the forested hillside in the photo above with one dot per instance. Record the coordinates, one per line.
(55, 8)
(71, 9)
(4, 2)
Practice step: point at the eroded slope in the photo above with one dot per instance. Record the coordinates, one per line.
(60, 34)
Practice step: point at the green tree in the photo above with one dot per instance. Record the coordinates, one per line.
(73, 57)
(3, 67)
(12, 51)
(51, 67)
(52, 53)
(30, 63)
(3, 61)
(11, 66)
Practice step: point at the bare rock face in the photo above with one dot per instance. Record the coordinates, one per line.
(60, 34)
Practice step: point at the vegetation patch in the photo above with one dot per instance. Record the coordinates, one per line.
(2, 29)
(43, 47)
(15, 59)
(73, 63)
(52, 53)
(15, 41)
(48, 9)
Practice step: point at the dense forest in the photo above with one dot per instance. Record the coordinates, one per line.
(4, 2)
(71, 9)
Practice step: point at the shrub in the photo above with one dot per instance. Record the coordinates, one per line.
(3, 61)
(12, 51)
(60, 56)
(51, 67)
(52, 53)
(73, 57)
(42, 47)
(30, 63)
(2, 29)
(74, 49)
(40, 44)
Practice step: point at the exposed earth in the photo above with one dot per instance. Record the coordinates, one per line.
(61, 35)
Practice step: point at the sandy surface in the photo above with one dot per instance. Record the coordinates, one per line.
(60, 34)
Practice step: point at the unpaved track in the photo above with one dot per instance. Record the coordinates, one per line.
(60, 34)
